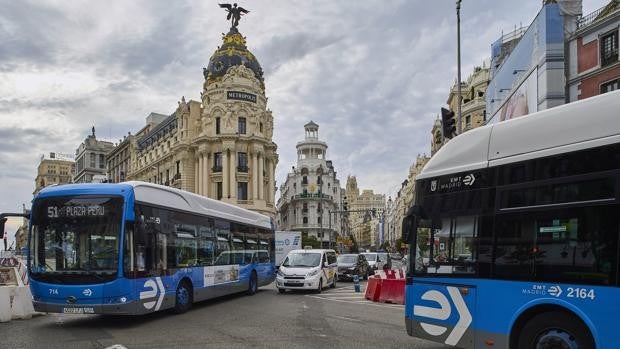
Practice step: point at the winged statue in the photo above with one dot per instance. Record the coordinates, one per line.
(234, 13)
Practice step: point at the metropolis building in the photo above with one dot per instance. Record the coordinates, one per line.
(311, 194)
(220, 147)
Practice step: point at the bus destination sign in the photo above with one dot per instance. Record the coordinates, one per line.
(75, 211)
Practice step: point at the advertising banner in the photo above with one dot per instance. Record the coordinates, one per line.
(523, 101)
(285, 242)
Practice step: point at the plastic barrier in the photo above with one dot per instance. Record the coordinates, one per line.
(373, 288)
(15, 298)
(392, 291)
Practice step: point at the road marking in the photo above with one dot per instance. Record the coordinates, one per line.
(347, 318)
(365, 302)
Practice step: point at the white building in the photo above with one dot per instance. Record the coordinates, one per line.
(311, 192)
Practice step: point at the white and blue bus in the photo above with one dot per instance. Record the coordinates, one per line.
(513, 233)
(135, 247)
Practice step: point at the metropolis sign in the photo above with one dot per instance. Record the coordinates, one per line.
(241, 96)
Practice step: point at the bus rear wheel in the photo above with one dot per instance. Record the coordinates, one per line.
(183, 298)
(252, 284)
(557, 330)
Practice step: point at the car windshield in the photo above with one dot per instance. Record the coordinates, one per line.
(371, 257)
(347, 259)
(302, 260)
(384, 256)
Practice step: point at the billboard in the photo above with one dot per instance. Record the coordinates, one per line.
(523, 101)
(285, 242)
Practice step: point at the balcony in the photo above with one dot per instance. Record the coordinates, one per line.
(311, 196)
(216, 168)
(245, 202)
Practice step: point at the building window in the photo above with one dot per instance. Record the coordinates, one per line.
(318, 180)
(610, 86)
(242, 190)
(609, 48)
(304, 180)
(101, 161)
(260, 125)
(217, 126)
(241, 126)
(217, 162)
(93, 159)
(305, 220)
(318, 220)
(242, 162)
(219, 190)
(468, 121)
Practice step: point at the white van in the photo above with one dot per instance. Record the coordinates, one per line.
(310, 269)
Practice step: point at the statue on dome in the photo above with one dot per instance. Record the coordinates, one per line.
(234, 13)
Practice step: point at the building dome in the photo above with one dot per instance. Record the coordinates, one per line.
(233, 52)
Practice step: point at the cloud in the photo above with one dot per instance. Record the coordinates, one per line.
(372, 74)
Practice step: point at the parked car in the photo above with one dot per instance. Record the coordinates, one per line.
(352, 264)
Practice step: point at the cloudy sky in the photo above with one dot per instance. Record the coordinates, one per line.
(372, 74)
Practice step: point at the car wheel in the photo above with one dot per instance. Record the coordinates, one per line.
(282, 290)
(555, 329)
(320, 288)
(183, 298)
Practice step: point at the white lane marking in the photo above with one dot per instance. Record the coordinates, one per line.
(116, 346)
(347, 318)
(369, 303)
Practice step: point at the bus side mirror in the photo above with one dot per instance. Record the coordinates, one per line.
(408, 225)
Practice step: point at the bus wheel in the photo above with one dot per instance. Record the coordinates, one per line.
(183, 298)
(253, 284)
(555, 329)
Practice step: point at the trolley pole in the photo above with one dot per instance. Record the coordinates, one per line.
(458, 59)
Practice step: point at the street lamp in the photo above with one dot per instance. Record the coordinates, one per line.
(458, 60)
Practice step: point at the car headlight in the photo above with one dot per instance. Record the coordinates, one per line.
(280, 273)
(313, 273)
(352, 268)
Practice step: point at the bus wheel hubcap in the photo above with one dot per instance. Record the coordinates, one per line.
(182, 295)
(556, 339)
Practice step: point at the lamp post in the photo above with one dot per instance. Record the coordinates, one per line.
(458, 60)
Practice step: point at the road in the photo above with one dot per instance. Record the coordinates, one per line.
(336, 318)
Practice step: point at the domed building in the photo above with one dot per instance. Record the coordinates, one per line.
(220, 147)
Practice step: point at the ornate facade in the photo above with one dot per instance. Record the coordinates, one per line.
(90, 160)
(367, 213)
(311, 195)
(220, 147)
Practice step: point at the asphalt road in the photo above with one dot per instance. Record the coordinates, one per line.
(336, 318)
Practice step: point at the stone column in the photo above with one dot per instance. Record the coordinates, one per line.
(225, 174)
(254, 176)
(261, 191)
(233, 175)
(196, 190)
(271, 182)
(200, 174)
(206, 173)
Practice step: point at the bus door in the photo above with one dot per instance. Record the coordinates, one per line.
(441, 301)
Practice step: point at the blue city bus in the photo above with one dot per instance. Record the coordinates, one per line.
(513, 233)
(135, 247)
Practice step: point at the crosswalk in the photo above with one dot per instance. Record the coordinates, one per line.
(347, 294)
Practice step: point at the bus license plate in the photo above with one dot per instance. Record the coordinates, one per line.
(78, 310)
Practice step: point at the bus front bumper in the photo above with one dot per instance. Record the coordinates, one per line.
(114, 309)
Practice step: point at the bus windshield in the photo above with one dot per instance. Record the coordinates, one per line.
(75, 239)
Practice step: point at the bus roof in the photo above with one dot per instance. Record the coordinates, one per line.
(570, 127)
(164, 196)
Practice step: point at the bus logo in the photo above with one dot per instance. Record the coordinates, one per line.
(469, 179)
(156, 287)
(433, 185)
(443, 313)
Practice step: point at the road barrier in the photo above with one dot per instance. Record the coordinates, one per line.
(15, 297)
(392, 291)
(387, 286)
(373, 288)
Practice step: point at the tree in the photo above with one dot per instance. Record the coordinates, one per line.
(354, 247)
(310, 241)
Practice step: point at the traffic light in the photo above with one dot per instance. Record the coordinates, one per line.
(448, 123)
(2, 221)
